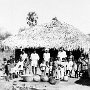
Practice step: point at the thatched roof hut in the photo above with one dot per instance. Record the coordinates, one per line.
(50, 35)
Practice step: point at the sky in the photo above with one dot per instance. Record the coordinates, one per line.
(13, 13)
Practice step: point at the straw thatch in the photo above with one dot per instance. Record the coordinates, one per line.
(50, 35)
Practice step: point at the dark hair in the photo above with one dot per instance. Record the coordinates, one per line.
(4, 59)
(8, 61)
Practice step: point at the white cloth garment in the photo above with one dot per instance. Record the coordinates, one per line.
(24, 56)
(43, 66)
(70, 64)
(34, 57)
(17, 68)
(62, 54)
(46, 56)
(47, 69)
(62, 73)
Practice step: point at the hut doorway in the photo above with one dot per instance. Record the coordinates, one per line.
(53, 53)
(17, 54)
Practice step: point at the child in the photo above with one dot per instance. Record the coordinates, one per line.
(56, 70)
(7, 70)
(47, 68)
(61, 72)
(70, 67)
(62, 69)
(34, 61)
(43, 67)
(50, 68)
(65, 67)
(75, 69)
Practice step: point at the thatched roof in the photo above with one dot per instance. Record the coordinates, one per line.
(50, 35)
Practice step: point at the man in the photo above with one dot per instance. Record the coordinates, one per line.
(24, 58)
(46, 56)
(61, 54)
(23, 55)
(34, 62)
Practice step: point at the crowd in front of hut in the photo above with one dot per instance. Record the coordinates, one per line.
(58, 68)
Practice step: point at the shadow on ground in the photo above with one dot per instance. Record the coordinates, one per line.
(22, 81)
(84, 80)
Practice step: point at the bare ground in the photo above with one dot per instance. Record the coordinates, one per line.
(72, 84)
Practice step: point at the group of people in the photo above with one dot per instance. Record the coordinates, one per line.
(58, 67)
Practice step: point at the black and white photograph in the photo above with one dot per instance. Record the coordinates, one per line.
(44, 44)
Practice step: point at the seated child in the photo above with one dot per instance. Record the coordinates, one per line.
(43, 67)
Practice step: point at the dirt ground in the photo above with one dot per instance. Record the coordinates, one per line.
(71, 84)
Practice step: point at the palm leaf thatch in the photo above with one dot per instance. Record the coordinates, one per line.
(50, 35)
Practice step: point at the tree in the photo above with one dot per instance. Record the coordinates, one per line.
(55, 19)
(32, 19)
(4, 35)
(55, 22)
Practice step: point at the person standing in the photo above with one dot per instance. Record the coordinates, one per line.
(71, 56)
(62, 68)
(47, 69)
(80, 65)
(70, 66)
(24, 58)
(46, 56)
(34, 61)
(56, 69)
(12, 64)
(75, 69)
(50, 68)
(7, 70)
(61, 54)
